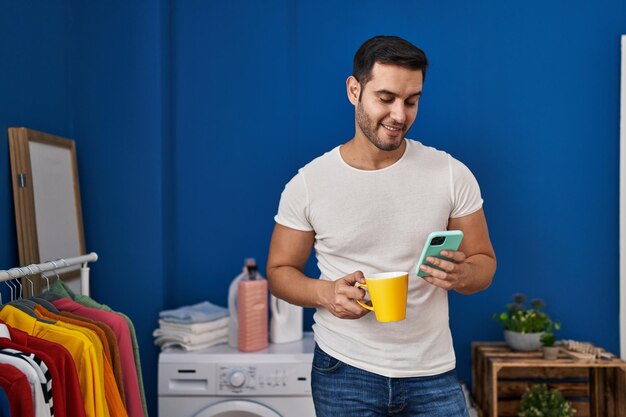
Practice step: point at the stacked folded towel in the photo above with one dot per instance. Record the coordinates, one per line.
(193, 327)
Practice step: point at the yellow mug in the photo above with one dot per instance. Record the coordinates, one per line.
(388, 292)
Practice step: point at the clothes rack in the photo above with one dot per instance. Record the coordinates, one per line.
(83, 261)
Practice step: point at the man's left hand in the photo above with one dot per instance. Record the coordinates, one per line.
(453, 273)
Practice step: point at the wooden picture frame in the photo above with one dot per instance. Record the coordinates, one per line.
(622, 199)
(46, 196)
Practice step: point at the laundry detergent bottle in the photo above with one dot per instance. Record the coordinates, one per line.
(252, 310)
(233, 328)
(286, 321)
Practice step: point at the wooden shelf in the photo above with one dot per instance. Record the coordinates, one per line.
(500, 376)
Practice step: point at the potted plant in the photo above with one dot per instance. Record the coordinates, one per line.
(524, 324)
(542, 401)
(548, 340)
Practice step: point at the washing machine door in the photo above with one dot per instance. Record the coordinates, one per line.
(237, 408)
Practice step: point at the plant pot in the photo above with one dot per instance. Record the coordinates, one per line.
(523, 342)
(550, 352)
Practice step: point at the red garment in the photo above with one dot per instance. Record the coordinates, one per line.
(119, 326)
(17, 390)
(74, 405)
(58, 384)
(111, 343)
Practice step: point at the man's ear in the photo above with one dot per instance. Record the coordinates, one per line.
(353, 88)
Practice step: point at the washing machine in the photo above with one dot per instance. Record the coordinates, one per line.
(223, 382)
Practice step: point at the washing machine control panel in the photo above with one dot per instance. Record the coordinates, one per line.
(264, 379)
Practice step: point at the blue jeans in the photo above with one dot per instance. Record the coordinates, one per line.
(341, 390)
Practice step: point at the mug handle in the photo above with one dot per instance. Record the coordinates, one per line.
(364, 286)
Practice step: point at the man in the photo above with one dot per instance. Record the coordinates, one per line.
(367, 206)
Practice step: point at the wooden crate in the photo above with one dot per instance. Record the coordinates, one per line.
(500, 377)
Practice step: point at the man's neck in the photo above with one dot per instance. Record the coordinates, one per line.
(360, 153)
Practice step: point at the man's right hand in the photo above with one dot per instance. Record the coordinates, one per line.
(340, 295)
(289, 251)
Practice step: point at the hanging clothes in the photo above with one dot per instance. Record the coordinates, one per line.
(62, 289)
(64, 365)
(43, 374)
(111, 392)
(58, 388)
(110, 342)
(82, 351)
(122, 333)
(17, 390)
(119, 327)
(81, 362)
(39, 403)
(72, 397)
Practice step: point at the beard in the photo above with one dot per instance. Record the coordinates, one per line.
(369, 129)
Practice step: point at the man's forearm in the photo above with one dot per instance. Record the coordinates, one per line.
(290, 284)
(482, 269)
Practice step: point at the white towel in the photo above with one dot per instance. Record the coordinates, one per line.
(194, 347)
(196, 313)
(196, 328)
(163, 336)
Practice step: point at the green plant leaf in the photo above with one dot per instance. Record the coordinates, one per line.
(542, 401)
(523, 319)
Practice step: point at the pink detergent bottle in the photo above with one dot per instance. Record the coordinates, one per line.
(252, 310)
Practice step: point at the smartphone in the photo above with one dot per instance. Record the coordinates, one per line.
(435, 243)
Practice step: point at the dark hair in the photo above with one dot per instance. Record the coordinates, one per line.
(387, 50)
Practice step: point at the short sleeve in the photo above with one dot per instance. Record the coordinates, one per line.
(293, 209)
(466, 198)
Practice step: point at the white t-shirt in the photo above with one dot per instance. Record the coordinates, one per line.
(378, 221)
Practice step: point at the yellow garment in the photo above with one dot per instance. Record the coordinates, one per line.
(79, 346)
(114, 404)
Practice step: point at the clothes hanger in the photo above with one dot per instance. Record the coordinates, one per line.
(4, 330)
(27, 306)
(21, 300)
(16, 283)
(11, 288)
(38, 300)
(50, 296)
(15, 302)
(32, 285)
(47, 281)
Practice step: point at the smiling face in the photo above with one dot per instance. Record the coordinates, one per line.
(386, 106)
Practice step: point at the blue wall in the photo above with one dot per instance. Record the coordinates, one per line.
(190, 117)
(34, 92)
(97, 73)
(119, 120)
(527, 96)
